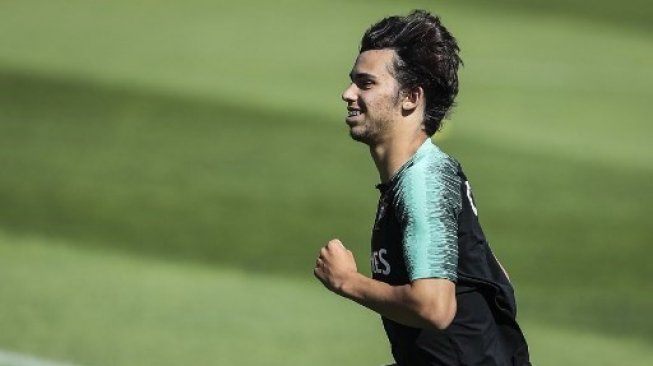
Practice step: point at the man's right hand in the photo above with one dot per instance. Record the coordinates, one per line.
(335, 264)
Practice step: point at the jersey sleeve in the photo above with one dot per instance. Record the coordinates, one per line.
(428, 202)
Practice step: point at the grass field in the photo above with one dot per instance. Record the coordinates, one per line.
(98, 308)
(169, 169)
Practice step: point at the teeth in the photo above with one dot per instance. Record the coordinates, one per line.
(353, 113)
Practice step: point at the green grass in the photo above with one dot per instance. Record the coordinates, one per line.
(173, 177)
(132, 171)
(98, 308)
(631, 13)
(108, 309)
(210, 133)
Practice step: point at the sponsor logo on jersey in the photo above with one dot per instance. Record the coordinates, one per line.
(380, 265)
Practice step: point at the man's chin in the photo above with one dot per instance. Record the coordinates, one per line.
(360, 137)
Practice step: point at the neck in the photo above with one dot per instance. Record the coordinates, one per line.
(390, 155)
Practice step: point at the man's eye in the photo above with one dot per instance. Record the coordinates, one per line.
(365, 84)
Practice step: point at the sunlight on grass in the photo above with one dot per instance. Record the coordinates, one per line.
(99, 308)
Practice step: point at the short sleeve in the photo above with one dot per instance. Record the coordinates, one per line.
(428, 201)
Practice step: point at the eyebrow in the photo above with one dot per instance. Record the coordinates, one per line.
(360, 75)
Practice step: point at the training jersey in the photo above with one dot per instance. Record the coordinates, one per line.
(427, 226)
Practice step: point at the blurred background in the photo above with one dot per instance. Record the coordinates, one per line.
(169, 169)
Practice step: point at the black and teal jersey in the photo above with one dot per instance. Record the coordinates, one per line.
(427, 227)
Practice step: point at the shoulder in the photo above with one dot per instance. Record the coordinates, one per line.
(428, 202)
(433, 173)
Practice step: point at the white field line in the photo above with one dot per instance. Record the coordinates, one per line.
(17, 359)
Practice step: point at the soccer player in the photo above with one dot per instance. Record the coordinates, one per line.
(443, 297)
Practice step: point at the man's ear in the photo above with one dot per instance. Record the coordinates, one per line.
(412, 98)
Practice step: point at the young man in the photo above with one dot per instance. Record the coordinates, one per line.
(443, 297)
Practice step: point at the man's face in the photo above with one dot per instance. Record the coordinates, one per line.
(372, 97)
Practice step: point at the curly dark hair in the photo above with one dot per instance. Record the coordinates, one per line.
(427, 57)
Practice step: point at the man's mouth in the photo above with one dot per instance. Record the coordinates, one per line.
(353, 113)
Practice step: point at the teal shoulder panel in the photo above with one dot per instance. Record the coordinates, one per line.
(428, 201)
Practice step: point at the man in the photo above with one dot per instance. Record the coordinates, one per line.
(443, 297)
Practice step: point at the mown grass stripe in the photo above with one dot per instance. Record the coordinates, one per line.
(100, 308)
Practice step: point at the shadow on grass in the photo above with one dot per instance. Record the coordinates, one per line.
(633, 14)
(172, 176)
(186, 179)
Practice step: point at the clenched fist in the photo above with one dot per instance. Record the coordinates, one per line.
(335, 265)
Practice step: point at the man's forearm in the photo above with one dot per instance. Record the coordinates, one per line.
(422, 304)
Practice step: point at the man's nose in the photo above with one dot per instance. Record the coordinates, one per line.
(349, 94)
